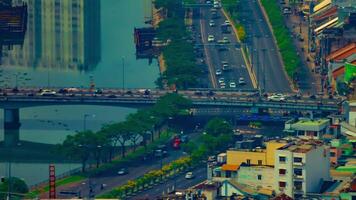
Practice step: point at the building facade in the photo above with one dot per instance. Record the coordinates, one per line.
(61, 34)
(301, 168)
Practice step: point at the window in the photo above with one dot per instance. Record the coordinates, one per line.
(282, 171)
(298, 172)
(332, 154)
(259, 162)
(282, 159)
(298, 159)
(282, 184)
(248, 161)
(298, 185)
(228, 174)
(259, 177)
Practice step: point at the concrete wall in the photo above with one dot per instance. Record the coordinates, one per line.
(249, 176)
(288, 177)
(271, 148)
(227, 190)
(318, 157)
(237, 157)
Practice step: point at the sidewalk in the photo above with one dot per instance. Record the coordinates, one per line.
(311, 82)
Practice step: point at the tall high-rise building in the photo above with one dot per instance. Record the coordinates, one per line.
(61, 34)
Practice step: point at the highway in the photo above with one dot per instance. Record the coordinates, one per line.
(268, 67)
(216, 53)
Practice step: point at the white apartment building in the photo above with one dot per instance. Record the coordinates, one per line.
(301, 167)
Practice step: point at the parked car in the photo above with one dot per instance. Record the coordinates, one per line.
(218, 72)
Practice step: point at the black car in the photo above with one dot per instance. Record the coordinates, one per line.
(98, 91)
(15, 89)
(112, 96)
(198, 93)
(210, 93)
(313, 96)
(129, 92)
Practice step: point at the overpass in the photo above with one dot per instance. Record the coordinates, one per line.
(11, 101)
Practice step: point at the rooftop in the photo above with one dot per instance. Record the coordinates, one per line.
(302, 146)
(317, 122)
(343, 52)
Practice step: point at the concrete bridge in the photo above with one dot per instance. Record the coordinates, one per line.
(11, 101)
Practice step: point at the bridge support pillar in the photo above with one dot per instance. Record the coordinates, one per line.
(11, 126)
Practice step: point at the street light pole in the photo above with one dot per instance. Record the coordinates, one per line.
(123, 73)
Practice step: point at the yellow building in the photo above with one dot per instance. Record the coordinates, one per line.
(254, 156)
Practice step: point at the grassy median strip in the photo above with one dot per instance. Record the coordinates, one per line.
(60, 182)
(284, 41)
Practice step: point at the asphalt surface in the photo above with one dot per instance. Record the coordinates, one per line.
(111, 179)
(214, 57)
(266, 64)
(177, 183)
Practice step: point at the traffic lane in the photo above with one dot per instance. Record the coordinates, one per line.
(179, 182)
(274, 68)
(276, 80)
(111, 179)
(233, 56)
(208, 57)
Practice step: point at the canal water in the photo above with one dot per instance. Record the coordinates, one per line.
(73, 43)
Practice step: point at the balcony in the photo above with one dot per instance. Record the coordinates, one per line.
(295, 176)
(298, 163)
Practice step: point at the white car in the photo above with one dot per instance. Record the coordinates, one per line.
(276, 97)
(211, 38)
(225, 65)
(218, 72)
(211, 23)
(48, 93)
(241, 81)
(189, 175)
(225, 40)
(227, 22)
(221, 80)
(223, 85)
(232, 84)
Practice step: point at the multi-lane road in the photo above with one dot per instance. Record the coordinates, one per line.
(263, 50)
(216, 54)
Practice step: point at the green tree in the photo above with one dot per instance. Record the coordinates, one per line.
(120, 133)
(170, 105)
(17, 186)
(80, 146)
(172, 7)
(218, 126)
